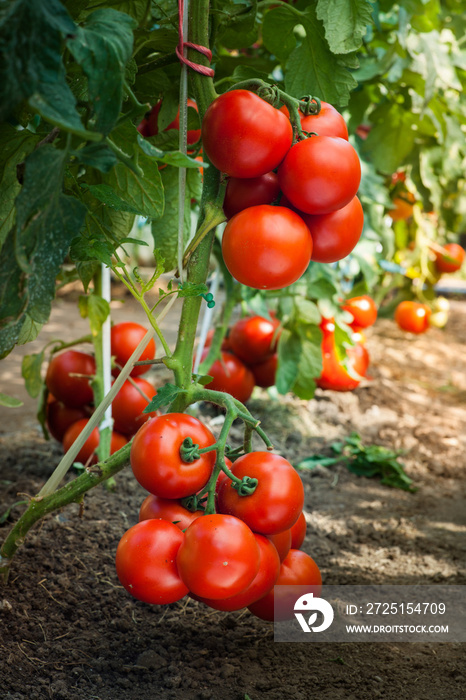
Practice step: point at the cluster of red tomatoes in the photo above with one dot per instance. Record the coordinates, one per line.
(69, 382)
(248, 357)
(230, 559)
(312, 184)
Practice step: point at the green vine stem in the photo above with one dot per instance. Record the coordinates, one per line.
(72, 492)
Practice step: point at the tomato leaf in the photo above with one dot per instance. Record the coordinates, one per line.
(97, 155)
(176, 158)
(164, 396)
(103, 47)
(31, 373)
(345, 22)
(9, 401)
(289, 354)
(107, 195)
(96, 309)
(392, 137)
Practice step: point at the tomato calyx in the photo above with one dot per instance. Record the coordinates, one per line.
(310, 105)
(190, 451)
(246, 486)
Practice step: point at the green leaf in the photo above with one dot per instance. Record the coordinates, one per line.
(191, 289)
(345, 22)
(144, 193)
(31, 33)
(15, 145)
(289, 355)
(103, 47)
(306, 311)
(165, 228)
(176, 158)
(164, 396)
(57, 105)
(316, 460)
(9, 401)
(239, 23)
(278, 31)
(96, 309)
(97, 155)
(107, 195)
(84, 249)
(392, 138)
(31, 373)
(309, 367)
(135, 8)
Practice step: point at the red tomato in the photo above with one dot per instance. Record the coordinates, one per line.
(358, 358)
(298, 569)
(231, 376)
(282, 542)
(334, 235)
(225, 342)
(68, 375)
(320, 174)
(254, 338)
(129, 404)
(156, 460)
(264, 372)
(244, 136)
(60, 417)
(412, 316)
(269, 567)
(328, 122)
(146, 562)
(194, 134)
(298, 532)
(363, 310)
(149, 125)
(219, 556)
(89, 448)
(278, 499)
(453, 251)
(153, 507)
(334, 375)
(125, 337)
(242, 193)
(266, 247)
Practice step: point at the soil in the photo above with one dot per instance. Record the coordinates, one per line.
(69, 631)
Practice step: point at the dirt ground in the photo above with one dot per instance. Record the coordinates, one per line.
(69, 631)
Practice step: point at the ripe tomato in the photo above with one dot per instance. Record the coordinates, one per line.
(278, 245)
(68, 375)
(334, 375)
(453, 251)
(334, 235)
(193, 134)
(282, 542)
(156, 460)
(219, 556)
(244, 136)
(363, 310)
(153, 507)
(402, 206)
(269, 567)
(125, 337)
(278, 499)
(242, 193)
(60, 417)
(320, 174)
(298, 532)
(88, 450)
(264, 372)
(412, 316)
(231, 376)
(128, 406)
(328, 122)
(146, 562)
(254, 338)
(298, 569)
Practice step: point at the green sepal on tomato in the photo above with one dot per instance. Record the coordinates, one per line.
(328, 121)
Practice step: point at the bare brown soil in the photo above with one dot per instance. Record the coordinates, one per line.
(69, 631)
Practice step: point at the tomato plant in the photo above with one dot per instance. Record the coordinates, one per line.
(125, 337)
(334, 235)
(412, 316)
(129, 404)
(156, 460)
(278, 499)
(451, 260)
(320, 174)
(244, 136)
(230, 374)
(69, 376)
(363, 310)
(146, 562)
(278, 245)
(229, 554)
